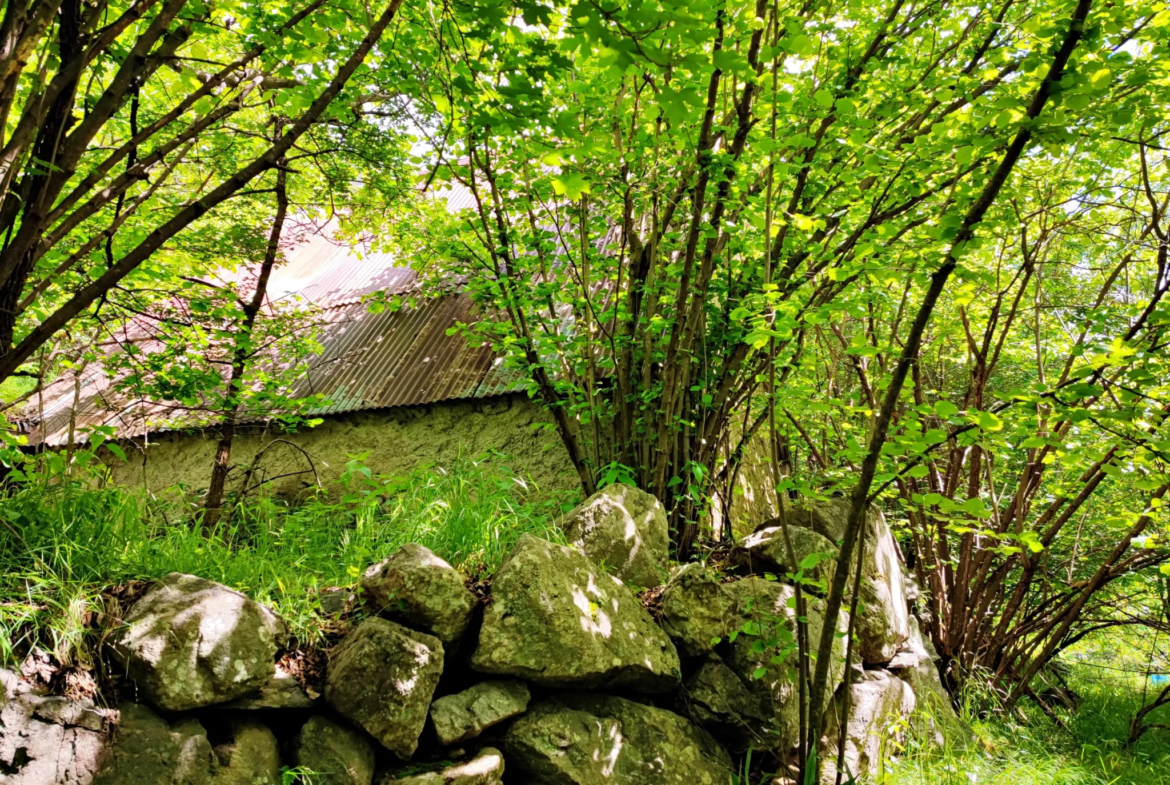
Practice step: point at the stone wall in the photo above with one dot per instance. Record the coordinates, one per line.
(561, 675)
(398, 441)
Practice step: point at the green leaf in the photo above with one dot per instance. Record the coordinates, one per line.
(945, 409)
(989, 422)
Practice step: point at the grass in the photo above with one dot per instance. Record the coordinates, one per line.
(1032, 750)
(63, 543)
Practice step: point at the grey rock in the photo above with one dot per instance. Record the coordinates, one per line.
(335, 600)
(469, 713)
(334, 753)
(717, 699)
(878, 701)
(767, 614)
(282, 691)
(558, 620)
(486, 768)
(764, 550)
(934, 720)
(382, 677)
(146, 750)
(50, 741)
(252, 757)
(696, 609)
(191, 642)
(883, 610)
(883, 621)
(599, 740)
(417, 588)
(624, 530)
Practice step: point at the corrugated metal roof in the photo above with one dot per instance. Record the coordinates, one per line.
(369, 360)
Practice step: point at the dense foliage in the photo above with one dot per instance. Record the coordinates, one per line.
(915, 252)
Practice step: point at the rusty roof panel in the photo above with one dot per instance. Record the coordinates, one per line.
(369, 360)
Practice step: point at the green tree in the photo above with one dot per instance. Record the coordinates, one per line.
(124, 123)
(680, 207)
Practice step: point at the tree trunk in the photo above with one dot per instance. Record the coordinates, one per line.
(213, 504)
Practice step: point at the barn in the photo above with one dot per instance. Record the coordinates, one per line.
(400, 390)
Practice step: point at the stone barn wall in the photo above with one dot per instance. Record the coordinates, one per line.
(398, 440)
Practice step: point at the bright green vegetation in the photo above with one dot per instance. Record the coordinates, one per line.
(1032, 750)
(61, 544)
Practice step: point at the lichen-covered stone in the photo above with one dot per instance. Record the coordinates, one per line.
(558, 620)
(334, 753)
(382, 677)
(765, 550)
(191, 642)
(599, 740)
(696, 609)
(486, 768)
(469, 713)
(282, 691)
(417, 588)
(148, 751)
(251, 757)
(883, 622)
(717, 699)
(49, 741)
(624, 530)
(883, 615)
(934, 719)
(764, 654)
(877, 704)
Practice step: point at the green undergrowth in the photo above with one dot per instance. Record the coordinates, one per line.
(62, 544)
(1032, 750)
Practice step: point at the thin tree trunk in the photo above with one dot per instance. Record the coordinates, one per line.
(213, 505)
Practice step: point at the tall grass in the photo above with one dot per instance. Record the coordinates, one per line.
(62, 543)
(1032, 750)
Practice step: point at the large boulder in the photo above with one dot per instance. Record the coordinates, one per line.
(697, 609)
(486, 768)
(50, 741)
(382, 677)
(334, 753)
(147, 750)
(600, 740)
(765, 657)
(469, 713)
(878, 703)
(883, 620)
(417, 588)
(815, 530)
(558, 620)
(625, 531)
(765, 550)
(191, 642)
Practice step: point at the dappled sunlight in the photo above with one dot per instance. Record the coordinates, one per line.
(593, 620)
(481, 766)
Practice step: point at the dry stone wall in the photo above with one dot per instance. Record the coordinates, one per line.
(562, 676)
